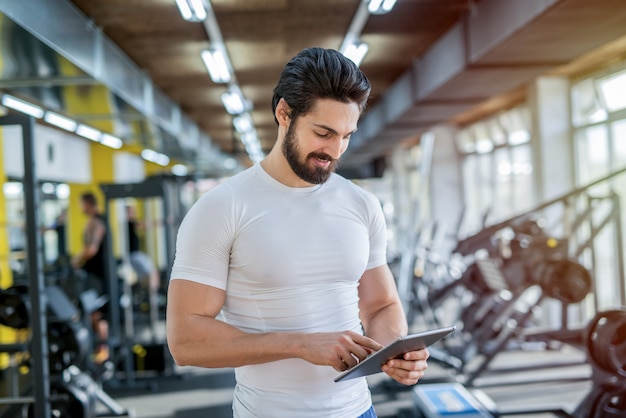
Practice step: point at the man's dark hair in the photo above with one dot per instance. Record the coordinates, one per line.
(89, 198)
(318, 73)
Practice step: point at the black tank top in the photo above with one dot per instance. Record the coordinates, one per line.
(133, 238)
(96, 265)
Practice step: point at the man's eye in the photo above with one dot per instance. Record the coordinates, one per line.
(322, 134)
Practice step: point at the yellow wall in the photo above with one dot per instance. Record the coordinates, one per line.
(87, 100)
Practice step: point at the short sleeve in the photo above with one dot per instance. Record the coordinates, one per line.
(377, 233)
(205, 238)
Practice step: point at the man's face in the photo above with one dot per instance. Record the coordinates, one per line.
(87, 208)
(315, 141)
(84, 207)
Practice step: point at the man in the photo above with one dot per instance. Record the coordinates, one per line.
(293, 256)
(92, 259)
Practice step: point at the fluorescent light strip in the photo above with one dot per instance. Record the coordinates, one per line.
(378, 7)
(243, 123)
(60, 121)
(216, 65)
(192, 10)
(180, 170)
(22, 106)
(111, 141)
(233, 102)
(155, 157)
(356, 52)
(88, 132)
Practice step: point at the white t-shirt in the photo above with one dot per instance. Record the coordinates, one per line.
(290, 260)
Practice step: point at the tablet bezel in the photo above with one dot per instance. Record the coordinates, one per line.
(373, 363)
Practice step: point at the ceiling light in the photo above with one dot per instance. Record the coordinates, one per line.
(60, 121)
(216, 65)
(251, 142)
(243, 123)
(63, 191)
(12, 189)
(180, 170)
(233, 102)
(22, 106)
(356, 52)
(88, 132)
(192, 10)
(155, 157)
(249, 138)
(111, 141)
(379, 7)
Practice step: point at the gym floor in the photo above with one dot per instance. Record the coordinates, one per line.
(193, 393)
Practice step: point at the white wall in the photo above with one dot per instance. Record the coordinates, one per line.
(58, 156)
(128, 168)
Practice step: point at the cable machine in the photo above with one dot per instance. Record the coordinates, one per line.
(121, 337)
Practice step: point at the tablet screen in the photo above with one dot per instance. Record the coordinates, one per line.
(373, 363)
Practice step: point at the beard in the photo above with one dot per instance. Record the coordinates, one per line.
(307, 172)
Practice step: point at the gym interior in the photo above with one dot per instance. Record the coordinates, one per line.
(495, 143)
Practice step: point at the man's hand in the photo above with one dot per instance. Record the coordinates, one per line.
(409, 369)
(340, 350)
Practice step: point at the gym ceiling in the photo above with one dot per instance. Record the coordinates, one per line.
(429, 61)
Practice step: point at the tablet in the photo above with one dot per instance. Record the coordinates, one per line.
(373, 363)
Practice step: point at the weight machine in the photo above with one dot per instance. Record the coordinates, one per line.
(55, 333)
(512, 267)
(122, 338)
(605, 344)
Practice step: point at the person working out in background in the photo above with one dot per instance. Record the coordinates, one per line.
(294, 257)
(92, 259)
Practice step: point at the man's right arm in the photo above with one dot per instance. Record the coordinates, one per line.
(196, 338)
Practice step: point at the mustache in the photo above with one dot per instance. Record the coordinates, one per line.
(321, 156)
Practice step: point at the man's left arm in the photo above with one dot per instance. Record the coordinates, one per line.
(384, 321)
(94, 236)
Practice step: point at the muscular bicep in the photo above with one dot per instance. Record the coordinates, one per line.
(377, 289)
(379, 305)
(187, 298)
(95, 232)
(194, 336)
(94, 237)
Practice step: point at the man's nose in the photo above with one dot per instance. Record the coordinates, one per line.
(335, 148)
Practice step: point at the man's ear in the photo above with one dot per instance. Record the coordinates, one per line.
(282, 113)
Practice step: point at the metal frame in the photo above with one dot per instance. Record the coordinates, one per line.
(151, 187)
(39, 324)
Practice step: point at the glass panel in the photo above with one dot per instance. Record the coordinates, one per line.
(465, 141)
(605, 266)
(498, 136)
(613, 91)
(471, 223)
(619, 144)
(593, 153)
(485, 186)
(503, 193)
(619, 162)
(519, 137)
(522, 171)
(517, 124)
(586, 107)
